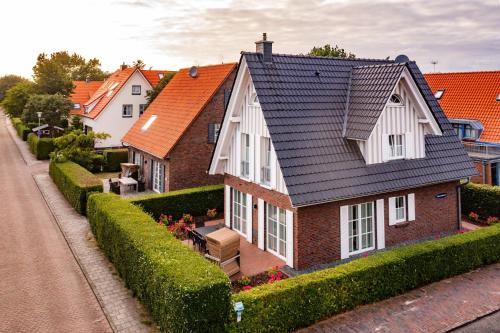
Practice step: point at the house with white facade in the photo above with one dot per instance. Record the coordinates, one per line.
(326, 158)
(118, 103)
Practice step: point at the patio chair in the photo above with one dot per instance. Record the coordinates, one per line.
(223, 248)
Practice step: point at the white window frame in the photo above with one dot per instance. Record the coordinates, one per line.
(142, 108)
(125, 107)
(358, 221)
(139, 160)
(399, 102)
(239, 212)
(400, 209)
(265, 161)
(393, 148)
(136, 89)
(76, 106)
(245, 156)
(157, 180)
(216, 131)
(281, 230)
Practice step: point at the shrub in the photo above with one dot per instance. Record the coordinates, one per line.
(482, 199)
(75, 183)
(22, 130)
(113, 158)
(195, 201)
(299, 301)
(42, 147)
(182, 291)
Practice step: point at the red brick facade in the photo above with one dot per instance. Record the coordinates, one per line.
(317, 228)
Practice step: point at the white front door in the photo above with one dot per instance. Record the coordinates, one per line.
(276, 231)
(158, 177)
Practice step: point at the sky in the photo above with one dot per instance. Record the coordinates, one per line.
(461, 35)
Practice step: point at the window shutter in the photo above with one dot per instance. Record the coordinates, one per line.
(162, 179)
(260, 224)
(211, 133)
(385, 147)
(411, 207)
(409, 145)
(249, 218)
(289, 238)
(227, 205)
(392, 210)
(344, 232)
(380, 224)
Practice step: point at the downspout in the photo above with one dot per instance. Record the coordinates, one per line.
(459, 203)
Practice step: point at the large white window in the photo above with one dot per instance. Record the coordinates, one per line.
(158, 177)
(276, 231)
(396, 146)
(400, 207)
(245, 155)
(265, 161)
(361, 234)
(240, 211)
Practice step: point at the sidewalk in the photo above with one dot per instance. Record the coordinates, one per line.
(438, 307)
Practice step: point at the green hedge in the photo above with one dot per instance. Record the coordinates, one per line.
(182, 291)
(41, 148)
(113, 158)
(75, 183)
(21, 129)
(481, 199)
(195, 201)
(300, 301)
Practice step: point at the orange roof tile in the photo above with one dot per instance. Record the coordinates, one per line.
(471, 95)
(153, 76)
(82, 92)
(176, 107)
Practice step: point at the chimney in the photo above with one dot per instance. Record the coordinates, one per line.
(123, 66)
(265, 47)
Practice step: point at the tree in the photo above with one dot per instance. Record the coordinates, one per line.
(7, 82)
(54, 109)
(139, 64)
(17, 97)
(153, 93)
(76, 123)
(332, 52)
(78, 147)
(56, 73)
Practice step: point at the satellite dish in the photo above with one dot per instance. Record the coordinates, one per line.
(193, 71)
(401, 59)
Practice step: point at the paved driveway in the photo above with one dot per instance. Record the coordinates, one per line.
(42, 288)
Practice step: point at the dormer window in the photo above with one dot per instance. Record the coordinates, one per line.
(396, 99)
(396, 146)
(439, 93)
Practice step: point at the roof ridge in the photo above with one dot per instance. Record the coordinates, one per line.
(465, 72)
(320, 57)
(212, 65)
(393, 64)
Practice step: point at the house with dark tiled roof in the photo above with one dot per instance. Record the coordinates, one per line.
(174, 139)
(326, 159)
(471, 101)
(82, 91)
(118, 102)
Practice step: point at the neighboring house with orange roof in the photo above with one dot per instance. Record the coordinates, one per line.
(471, 101)
(81, 93)
(174, 139)
(120, 100)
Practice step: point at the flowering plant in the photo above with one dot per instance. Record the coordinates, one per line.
(180, 229)
(244, 281)
(273, 271)
(276, 277)
(491, 220)
(247, 287)
(212, 213)
(166, 219)
(474, 217)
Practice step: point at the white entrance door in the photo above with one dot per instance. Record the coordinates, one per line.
(276, 231)
(158, 177)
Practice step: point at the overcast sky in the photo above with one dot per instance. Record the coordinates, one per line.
(461, 35)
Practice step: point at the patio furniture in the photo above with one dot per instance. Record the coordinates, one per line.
(114, 185)
(127, 182)
(223, 247)
(130, 170)
(198, 235)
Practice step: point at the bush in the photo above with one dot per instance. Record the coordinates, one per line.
(22, 130)
(481, 199)
(299, 301)
(42, 147)
(182, 291)
(75, 183)
(195, 201)
(113, 158)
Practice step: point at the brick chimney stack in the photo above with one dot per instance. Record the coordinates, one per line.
(265, 48)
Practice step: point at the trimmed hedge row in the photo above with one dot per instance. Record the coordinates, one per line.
(22, 130)
(300, 301)
(195, 201)
(42, 147)
(182, 291)
(75, 183)
(113, 158)
(481, 199)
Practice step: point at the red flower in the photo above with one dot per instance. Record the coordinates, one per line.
(247, 287)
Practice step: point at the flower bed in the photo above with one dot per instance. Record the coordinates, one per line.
(248, 282)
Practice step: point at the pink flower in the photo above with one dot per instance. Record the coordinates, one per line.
(247, 287)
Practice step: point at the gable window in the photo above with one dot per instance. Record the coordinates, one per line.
(142, 107)
(136, 90)
(276, 230)
(439, 93)
(127, 110)
(265, 161)
(76, 106)
(396, 99)
(213, 132)
(361, 234)
(396, 144)
(245, 155)
(240, 211)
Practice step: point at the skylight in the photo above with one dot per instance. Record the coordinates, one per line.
(76, 106)
(113, 86)
(439, 94)
(498, 98)
(148, 123)
(160, 76)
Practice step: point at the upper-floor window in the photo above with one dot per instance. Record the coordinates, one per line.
(76, 106)
(127, 110)
(265, 161)
(396, 146)
(465, 131)
(245, 155)
(142, 107)
(396, 99)
(213, 132)
(136, 90)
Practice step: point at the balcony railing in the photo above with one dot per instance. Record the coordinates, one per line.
(482, 150)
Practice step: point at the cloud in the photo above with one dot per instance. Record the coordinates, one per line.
(134, 3)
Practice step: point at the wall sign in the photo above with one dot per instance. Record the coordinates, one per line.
(441, 195)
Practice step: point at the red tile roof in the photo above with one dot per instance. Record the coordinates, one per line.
(153, 76)
(471, 95)
(82, 92)
(176, 107)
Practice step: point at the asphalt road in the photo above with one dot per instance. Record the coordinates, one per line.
(42, 288)
(488, 324)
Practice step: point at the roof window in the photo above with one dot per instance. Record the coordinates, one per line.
(439, 93)
(161, 75)
(396, 99)
(498, 98)
(148, 123)
(76, 106)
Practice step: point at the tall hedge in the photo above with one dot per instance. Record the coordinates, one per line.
(195, 201)
(481, 199)
(113, 158)
(42, 147)
(75, 183)
(182, 291)
(21, 129)
(297, 302)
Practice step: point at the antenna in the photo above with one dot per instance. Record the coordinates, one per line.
(434, 63)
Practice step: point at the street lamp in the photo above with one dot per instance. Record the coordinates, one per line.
(39, 114)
